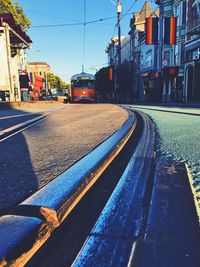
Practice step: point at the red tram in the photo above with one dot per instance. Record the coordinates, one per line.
(83, 88)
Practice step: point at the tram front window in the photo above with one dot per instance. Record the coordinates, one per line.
(84, 83)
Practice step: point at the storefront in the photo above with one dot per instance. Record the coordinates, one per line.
(13, 42)
(150, 87)
(192, 71)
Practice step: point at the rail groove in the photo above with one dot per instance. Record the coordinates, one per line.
(113, 240)
(26, 227)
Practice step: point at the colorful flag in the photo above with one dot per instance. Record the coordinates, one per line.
(110, 73)
(170, 30)
(151, 31)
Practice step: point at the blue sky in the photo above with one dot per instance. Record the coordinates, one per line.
(62, 46)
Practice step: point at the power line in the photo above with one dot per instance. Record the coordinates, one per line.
(126, 13)
(73, 24)
(51, 16)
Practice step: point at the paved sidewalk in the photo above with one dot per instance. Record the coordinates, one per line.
(172, 236)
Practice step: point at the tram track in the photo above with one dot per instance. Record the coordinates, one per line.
(80, 220)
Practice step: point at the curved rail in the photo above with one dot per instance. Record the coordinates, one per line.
(113, 240)
(31, 223)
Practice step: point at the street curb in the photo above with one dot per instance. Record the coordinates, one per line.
(172, 235)
(196, 196)
(16, 105)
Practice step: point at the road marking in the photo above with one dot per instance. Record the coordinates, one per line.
(30, 122)
(19, 115)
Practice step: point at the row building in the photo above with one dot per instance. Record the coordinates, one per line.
(20, 80)
(179, 78)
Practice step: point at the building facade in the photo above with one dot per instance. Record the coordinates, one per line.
(120, 73)
(37, 72)
(13, 42)
(173, 55)
(192, 52)
(150, 91)
(144, 57)
(112, 50)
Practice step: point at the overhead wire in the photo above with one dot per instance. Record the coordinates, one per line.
(126, 13)
(86, 22)
(51, 16)
(73, 24)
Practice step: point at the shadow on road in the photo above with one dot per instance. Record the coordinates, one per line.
(17, 177)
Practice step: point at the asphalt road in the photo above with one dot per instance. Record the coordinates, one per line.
(32, 158)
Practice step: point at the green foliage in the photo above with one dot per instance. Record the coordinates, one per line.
(55, 81)
(105, 87)
(7, 6)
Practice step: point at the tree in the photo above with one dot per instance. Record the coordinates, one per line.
(105, 87)
(55, 81)
(7, 6)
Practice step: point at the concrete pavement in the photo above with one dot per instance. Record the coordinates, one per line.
(32, 158)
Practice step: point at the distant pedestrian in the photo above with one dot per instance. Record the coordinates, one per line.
(24, 85)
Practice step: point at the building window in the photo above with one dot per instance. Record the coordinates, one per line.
(176, 54)
(177, 14)
(183, 13)
(196, 8)
(148, 60)
(167, 58)
(182, 53)
(180, 13)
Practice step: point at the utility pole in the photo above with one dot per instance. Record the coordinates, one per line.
(119, 10)
(8, 53)
(160, 47)
(47, 87)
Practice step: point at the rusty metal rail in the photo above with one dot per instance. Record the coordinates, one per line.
(26, 227)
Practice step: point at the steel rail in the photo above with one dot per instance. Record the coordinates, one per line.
(26, 227)
(114, 239)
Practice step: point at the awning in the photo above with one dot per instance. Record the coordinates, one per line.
(14, 39)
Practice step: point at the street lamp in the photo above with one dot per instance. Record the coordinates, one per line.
(119, 11)
(160, 47)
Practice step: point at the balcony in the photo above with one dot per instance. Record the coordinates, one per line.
(193, 27)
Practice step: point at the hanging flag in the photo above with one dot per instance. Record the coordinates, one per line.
(151, 31)
(32, 77)
(110, 73)
(170, 30)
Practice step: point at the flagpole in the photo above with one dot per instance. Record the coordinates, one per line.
(160, 50)
(160, 47)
